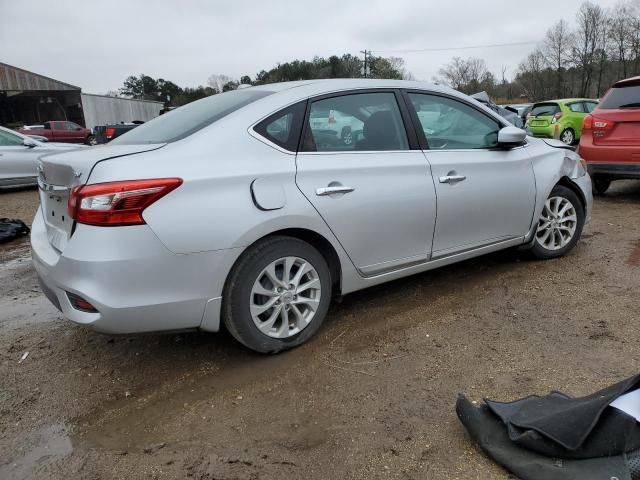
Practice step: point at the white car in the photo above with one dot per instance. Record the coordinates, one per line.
(234, 211)
(19, 157)
(335, 128)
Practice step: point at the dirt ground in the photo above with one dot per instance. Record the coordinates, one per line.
(371, 396)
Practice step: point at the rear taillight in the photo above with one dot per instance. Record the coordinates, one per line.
(597, 126)
(556, 117)
(117, 203)
(110, 133)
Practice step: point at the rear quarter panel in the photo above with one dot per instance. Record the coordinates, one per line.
(214, 208)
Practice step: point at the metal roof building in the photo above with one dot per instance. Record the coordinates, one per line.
(30, 98)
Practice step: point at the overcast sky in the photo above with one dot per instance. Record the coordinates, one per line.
(97, 44)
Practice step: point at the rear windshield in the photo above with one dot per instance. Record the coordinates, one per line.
(621, 97)
(184, 121)
(545, 109)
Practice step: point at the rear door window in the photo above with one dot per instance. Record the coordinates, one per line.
(590, 106)
(188, 119)
(577, 107)
(356, 122)
(621, 97)
(545, 109)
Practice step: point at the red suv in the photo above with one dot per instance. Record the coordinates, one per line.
(610, 141)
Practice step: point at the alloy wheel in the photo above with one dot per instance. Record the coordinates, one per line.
(567, 137)
(285, 297)
(557, 224)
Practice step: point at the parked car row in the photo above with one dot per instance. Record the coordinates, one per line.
(19, 156)
(61, 131)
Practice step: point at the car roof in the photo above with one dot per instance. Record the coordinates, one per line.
(319, 86)
(628, 82)
(565, 101)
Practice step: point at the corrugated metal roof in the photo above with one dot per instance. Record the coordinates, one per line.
(14, 78)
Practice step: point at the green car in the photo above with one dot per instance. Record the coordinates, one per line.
(560, 119)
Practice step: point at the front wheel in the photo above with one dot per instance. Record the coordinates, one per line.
(277, 295)
(560, 224)
(91, 140)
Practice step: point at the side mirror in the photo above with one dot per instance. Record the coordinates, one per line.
(28, 143)
(78, 128)
(511, 137)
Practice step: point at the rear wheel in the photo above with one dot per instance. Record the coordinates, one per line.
(600, 184)
(560, 224)
(568, 136)
(277, 295)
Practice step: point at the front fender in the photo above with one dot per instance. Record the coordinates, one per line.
(551, 165)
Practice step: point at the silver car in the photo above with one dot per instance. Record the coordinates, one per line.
(233, 210)
(19, 157)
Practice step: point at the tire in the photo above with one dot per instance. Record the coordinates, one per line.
(555, 240)
(240, 302)
(600, 184)
(346, 136)
(91, 140)
(568, 136)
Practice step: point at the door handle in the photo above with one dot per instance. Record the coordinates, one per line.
(321, 192)
(452, 179)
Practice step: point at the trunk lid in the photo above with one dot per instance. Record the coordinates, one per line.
(625, 130)
(541, 121)
(58, 173)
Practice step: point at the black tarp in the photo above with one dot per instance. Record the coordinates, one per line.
(557, 436)
(10, 229)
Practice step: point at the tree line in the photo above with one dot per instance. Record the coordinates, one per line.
(144, 87)
(583, 61)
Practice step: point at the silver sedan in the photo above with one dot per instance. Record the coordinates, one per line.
(237, 210)
(19, 157)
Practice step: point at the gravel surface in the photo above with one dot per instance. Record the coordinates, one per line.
(371, 396)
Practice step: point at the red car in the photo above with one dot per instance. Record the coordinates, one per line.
(610, 141)
(62, 131)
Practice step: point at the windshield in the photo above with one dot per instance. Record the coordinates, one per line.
(621, 97)
(184, 121)
(545, 109)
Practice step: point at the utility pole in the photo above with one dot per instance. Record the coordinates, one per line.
(365, 69)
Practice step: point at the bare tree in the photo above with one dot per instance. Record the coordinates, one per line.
(602, 52)
(620, 35)
(468, 76)
(531, 74)
(557, 51)
(591, 21)
(634, 36)
(219, 81)
(455, 73)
